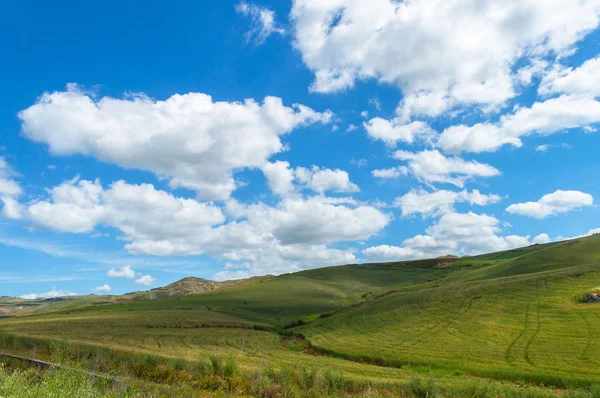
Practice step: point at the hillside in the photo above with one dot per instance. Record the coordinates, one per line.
(185, 287)
(517, 315)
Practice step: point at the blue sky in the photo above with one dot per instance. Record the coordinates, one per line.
(142, 142)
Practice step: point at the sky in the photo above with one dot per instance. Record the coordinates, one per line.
(142, 141)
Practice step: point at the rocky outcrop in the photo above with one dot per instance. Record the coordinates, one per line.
(593, 298)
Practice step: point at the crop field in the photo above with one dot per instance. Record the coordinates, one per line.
(514, 319)
(529, 327)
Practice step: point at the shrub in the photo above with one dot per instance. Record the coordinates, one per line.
(216, 364)
(203, 368)
(230, 368)
(420, 388)
(334, 381)
(179, 364)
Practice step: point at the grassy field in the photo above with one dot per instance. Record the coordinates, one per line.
(506, 324)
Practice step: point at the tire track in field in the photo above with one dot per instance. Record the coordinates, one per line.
(538, 324)
(441, 326)
(507, 353)
(440, 323)
(534, 335)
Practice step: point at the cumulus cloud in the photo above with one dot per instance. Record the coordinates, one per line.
(322, 180)
(392, 172)
(190, 139)
(145, 280)
(313, 221)
(543, 118)
(430, 204)
(284, 180)
(581, 81)
(457, 233)
(103, 289)
(536, 67)
(428, 50)
(263, 22)
(139, 211)
(54, 293)
(431, 166)
(280, 177)
(123, 272)
(392, 131)
(9, 191)
(292, 235)
(552, 204)
(541, 239)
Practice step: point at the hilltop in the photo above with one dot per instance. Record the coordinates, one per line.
(186, 286)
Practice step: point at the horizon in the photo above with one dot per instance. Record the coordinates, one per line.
(146, 142)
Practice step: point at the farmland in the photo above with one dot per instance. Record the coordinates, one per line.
(505, 324)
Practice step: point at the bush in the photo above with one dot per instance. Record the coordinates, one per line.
(421, 388)
(230, 368)
(203, 368)
(334, 381)
(216, 364)
(179, 364)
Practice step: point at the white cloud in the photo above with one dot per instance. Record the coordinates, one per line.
(582, 81)
(76, 207)
(392, 172)
(145, 280)
(139, 211)
(284, 180)
(103, 289)
(290, 236)
(535, 68)
(263, 22)
(193, 141)
(464, 50)
(458, 233)
(431, 166)
(124, 272)
(54, 293)
(428, 204)
(544, 118)
(231, 275)
(323, 180)
(280, 177)
(9, 191)
(359, 162)
(390, 253)
(552, 204)
(351, 128)
(424, 104)
(310, 221)
(541, 239)
(545, 147)
(392, 131)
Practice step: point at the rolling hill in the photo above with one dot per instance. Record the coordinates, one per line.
(518, 315)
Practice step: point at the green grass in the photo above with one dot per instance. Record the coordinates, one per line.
(513, 316)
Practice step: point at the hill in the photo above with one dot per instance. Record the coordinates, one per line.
(186, 286)
(517, 315)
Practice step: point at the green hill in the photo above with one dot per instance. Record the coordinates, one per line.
(517, 315)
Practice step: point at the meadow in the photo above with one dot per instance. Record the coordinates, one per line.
(509, 324)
